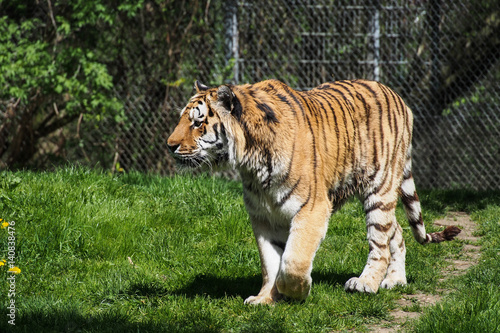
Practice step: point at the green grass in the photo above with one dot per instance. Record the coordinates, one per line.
(195, 259)
(475, 307)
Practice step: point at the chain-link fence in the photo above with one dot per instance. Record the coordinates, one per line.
(442, 57)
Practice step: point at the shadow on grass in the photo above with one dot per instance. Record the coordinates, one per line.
(465, 200)
(202, 285)
(72, 321)
(119, 320)
(218, 288)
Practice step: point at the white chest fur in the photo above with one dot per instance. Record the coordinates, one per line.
(277, 204)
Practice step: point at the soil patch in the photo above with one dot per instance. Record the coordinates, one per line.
(409, 307)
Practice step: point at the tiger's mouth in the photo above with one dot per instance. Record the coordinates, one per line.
(195, 161)
(191, 161)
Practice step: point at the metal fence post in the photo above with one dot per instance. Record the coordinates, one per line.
(231, 37)
(374, 31)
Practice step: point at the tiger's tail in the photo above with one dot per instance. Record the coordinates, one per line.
(411, 204)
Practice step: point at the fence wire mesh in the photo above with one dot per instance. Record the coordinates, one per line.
(442, 57)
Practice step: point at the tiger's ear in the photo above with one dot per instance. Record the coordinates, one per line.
(229, 101)
(225, 96)
(199, 86)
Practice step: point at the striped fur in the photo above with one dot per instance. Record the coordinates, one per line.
(300, 155)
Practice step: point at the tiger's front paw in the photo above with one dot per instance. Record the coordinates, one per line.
(295, 287)
(255, 300)
(360, 285)
(260, 299)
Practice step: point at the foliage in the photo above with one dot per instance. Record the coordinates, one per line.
(59, 69)
(52, 70)
(63, 60)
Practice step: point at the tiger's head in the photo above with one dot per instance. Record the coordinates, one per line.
(201, 136)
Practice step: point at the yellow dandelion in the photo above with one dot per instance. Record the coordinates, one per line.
(2, 262)
(15, 270)
(4, 224)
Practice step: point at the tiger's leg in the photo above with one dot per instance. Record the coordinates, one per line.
(381, 226)
(307, 230)
(396, 272)
(271, 243)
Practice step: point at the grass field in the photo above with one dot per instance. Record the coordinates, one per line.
(139, 253)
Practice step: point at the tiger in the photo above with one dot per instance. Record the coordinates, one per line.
(300, 155)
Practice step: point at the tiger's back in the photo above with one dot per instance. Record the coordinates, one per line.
(300, 155)
(357, 130)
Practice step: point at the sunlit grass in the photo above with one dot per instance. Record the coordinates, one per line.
(475, 307)
(102, 253)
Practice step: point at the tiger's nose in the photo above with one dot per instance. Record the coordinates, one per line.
(173, 147)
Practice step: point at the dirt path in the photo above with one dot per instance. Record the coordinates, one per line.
(470, 257)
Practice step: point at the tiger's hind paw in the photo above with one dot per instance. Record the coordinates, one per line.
(391, 283)
(356, 284)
